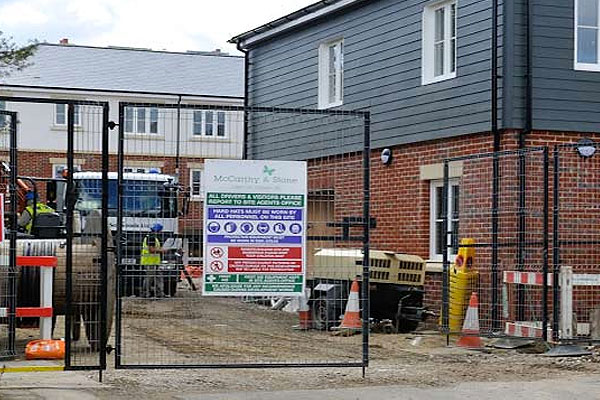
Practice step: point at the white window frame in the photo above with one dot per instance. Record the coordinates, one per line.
(76, 115)
(580, 65)
(214, 124)
(325, 74)
(434, 185)
(197, 196)
(147, 121)
(428, 42)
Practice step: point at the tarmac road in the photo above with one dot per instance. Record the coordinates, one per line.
(76, 386)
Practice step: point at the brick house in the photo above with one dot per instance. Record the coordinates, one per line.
(436, 87)
(155, 138)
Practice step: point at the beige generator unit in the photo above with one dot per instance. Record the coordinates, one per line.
(396, 286)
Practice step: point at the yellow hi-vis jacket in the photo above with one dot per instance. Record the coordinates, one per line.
(148, 258)
(40, 208)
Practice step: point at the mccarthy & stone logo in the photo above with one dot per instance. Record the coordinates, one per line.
(268, 176)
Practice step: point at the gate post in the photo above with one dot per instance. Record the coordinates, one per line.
(445, 264)
(104, 240)
(12, 262)
(366, 236)
(545, 249)
(494, 275)
(555, 247)
(69, 241)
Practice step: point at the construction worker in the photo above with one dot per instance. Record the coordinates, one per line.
(150, 261)
(26, 218)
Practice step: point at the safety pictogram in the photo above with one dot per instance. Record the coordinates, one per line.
(217, 252)
(216, 266)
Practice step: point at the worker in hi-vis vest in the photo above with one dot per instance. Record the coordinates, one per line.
(150, 261)
(26, 218)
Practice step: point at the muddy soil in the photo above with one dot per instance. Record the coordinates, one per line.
(193, 330)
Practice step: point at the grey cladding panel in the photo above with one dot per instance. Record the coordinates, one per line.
(382, 59)
(563, 98)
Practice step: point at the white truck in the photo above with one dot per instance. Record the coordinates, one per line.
(147, 199)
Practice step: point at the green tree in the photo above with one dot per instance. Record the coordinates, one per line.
(12, 56)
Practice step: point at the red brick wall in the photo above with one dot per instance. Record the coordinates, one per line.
(400, 203)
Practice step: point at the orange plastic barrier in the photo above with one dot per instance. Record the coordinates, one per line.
(194, 271)
(45, 349)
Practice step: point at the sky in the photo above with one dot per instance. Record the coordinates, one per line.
(174, 25)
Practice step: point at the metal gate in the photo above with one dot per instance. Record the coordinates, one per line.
(500, 201)
(162, 319)
(76, 232)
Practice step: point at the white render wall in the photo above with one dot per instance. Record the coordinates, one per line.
(37, 131)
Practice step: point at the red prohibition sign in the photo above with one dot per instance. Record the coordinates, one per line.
(217, 252)
(216, 266)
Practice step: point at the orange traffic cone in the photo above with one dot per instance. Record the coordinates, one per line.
(470, 331)
(351, 320)
(304, 318)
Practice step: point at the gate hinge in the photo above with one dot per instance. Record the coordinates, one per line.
(109, 349)
(112, 125)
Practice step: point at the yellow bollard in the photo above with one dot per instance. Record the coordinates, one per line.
(463, 281)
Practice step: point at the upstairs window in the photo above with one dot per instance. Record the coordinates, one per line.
(586, 35)
(141, 120)
(209, 123)
(4, 120)
(60, 115)
(439, 42)
(331, 74)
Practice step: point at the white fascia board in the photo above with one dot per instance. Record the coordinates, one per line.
(82, 94)
(296, 22)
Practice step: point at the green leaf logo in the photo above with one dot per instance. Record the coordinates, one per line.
(268, 171)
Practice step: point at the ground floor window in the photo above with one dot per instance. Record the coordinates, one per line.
(436, 210)
(196, 183)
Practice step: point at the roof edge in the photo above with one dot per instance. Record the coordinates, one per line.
(287, 22)
(194, 53)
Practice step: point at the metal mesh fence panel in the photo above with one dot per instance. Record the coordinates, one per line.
(61, 226)
(163, 319)
(500, 221)
(576, 238)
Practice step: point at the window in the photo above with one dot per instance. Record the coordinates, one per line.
(331, 74)
(206, 123)
(196, 183)
(197, 123)
(439, 42)
(436, 237)
(141, 120)
(587, 29)
(220, 124)
(60, 115)
(4, 120)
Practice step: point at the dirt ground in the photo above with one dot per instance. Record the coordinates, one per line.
(190, 329)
